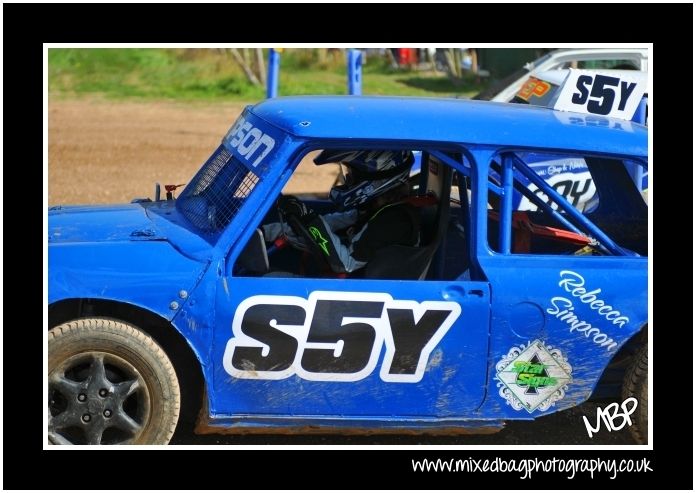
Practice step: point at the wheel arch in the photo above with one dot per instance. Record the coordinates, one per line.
(610, 383)
(174, 344)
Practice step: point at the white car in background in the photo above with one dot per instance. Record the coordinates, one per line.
(581, 58)
(541, 88)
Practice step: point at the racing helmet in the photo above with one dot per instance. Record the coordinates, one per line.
(367, 174)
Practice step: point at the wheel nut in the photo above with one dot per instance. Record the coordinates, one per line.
(81, 397)
(86, 418)
(107, 413)
(103, 392)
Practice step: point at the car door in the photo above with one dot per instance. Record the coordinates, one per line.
(563, 307)
(341, 347)
(350, 348)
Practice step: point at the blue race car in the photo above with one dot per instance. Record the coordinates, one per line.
(187, 306)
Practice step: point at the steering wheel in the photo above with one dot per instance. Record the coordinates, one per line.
(308, 242)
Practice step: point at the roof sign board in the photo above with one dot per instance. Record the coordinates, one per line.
(599, 93)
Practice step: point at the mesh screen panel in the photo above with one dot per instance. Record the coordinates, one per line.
(217, 192)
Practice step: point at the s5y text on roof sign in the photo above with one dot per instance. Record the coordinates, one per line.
(615, 94)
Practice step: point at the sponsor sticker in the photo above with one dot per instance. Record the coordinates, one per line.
(251, 143)
(533, 87)
(533, 376)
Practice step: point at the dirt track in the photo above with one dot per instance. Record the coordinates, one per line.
(106, 152)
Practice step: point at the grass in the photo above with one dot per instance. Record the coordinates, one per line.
(212, 75)
(145, 73)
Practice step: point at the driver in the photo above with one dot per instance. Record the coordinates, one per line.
(372, 213)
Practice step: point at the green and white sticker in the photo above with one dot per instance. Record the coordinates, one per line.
(533, 376)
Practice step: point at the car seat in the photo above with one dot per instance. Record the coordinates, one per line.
(406, 262)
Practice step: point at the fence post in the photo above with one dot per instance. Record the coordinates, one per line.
(355, 72)
(273, 72)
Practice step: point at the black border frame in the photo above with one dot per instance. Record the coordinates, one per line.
(27, 27)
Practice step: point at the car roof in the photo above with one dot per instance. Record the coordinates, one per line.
(601, 50)
(449, 120)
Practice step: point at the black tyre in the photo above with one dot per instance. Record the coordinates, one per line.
(109, 383)
(635, 384)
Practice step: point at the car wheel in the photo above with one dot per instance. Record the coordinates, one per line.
(636, 385)
(109, 383)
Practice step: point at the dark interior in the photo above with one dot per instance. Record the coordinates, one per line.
(444, 252)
